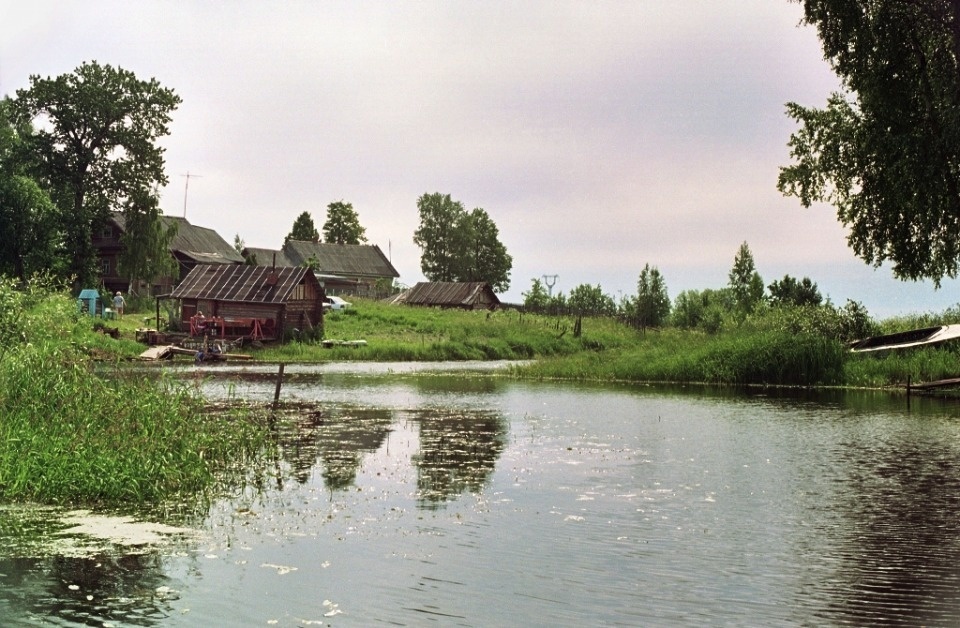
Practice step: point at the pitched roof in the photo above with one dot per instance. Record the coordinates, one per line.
(449, 293)
(198, 243)
(266, 257)
(248, 284)
(354, 260)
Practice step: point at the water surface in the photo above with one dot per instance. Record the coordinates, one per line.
(430, 498)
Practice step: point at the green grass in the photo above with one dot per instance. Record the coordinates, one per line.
(405, 333)
(77, 431)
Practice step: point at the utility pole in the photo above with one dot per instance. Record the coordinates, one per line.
(550, 281)
(186, 186)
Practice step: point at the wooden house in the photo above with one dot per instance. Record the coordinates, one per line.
(466, 295)
(192, 245)
(258, 302)
(343, 269)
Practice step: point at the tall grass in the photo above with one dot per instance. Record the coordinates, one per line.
(71, 434)
(731, 358)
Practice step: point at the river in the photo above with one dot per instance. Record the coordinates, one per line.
(416, 495)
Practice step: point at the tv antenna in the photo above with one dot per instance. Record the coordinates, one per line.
(186, 186)
(550, 281)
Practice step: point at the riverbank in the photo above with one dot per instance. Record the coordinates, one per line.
(71, 434)
(797, 348)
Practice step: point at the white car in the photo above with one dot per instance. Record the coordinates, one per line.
(336, 303)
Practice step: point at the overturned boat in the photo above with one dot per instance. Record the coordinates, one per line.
(906, 339)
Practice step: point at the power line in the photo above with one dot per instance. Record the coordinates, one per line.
(550, 281)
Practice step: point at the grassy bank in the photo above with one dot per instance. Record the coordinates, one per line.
(797, 347)
(73, 433)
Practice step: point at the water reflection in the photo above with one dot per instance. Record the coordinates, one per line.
(458, 452)
(898, 555)
(130, 589)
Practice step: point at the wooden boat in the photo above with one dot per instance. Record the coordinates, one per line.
(907, 339)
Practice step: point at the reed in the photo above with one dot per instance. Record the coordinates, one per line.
(74, 433)
(732, 358)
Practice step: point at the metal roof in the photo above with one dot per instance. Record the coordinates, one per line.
(241, 283)
(198, 243)
(450, 293)
(353, 260)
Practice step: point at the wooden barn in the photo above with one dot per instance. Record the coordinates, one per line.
(466, 295)
(257, 302)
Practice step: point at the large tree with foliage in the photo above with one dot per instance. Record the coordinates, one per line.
(440, 236)
(303, 229)
(96, 150)
(343, 225)
(885, 152)
(27, 216)
(458, 245)
(485, 257)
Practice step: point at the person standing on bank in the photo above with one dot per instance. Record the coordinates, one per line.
(118, 304)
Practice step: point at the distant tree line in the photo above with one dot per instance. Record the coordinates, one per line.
(792, 304)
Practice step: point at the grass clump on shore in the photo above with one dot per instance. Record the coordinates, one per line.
(72, 434)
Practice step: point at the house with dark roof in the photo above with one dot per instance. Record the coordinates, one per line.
(465, 295)
(343, 269)
(241, 300)
(192, 245)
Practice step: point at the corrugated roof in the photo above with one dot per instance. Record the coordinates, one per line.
(243, 283)
(449, 293)
(353, 260)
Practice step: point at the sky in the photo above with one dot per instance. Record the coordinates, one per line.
(598, 136)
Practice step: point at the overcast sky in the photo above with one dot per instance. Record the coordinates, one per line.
(599, 136)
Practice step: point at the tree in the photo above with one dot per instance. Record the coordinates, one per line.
(458, 245)
(485, 258)
(145, 254)
(96, 149)
(303, 229)
(590, 300)
(652, 304)
(537, 298)
(885, 152)
(26, 210)
(745, 282)
(440, 236)
(789, 291)
(343, 225)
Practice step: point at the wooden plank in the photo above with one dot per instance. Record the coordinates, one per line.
(156, 353)
(940, 383)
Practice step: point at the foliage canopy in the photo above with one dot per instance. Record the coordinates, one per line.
(95, 149)
(343, 225)
(886, 151)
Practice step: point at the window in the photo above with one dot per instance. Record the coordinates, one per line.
(106, 233)
(105, 266)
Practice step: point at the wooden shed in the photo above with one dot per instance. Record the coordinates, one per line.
(467, 295)
(258, 302)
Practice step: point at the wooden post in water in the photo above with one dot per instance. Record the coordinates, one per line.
(276, 392)
(908, 392)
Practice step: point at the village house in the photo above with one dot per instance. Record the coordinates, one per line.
(256, 302)
(192, 245)
(465, 295)
(342, 269)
